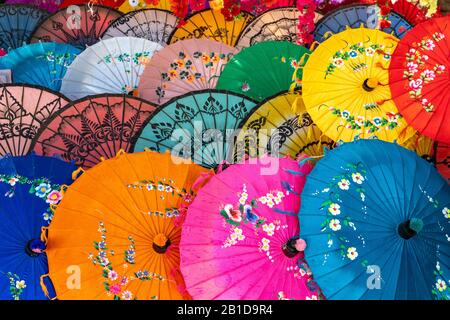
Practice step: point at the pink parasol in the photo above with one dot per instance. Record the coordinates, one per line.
(94, 127)
(240, 236)
(183, 67)
(23, 109)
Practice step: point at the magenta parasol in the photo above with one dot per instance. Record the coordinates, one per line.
(240, 239)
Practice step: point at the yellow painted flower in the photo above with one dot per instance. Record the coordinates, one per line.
(180, 63)
(215, 59)
(173, 73)
(190, 78)
(205, 58)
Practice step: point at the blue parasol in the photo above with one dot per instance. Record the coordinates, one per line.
(43, 64)
(353, 16)
(376, 219)
(28, 186)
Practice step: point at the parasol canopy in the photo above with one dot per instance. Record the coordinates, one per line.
(43, 64)
(23, 109)
(264, 69)
(419, 78)
(200, 125)
(346, 87)
(279, 24)
(16, 24)
(80, 25)
(117, 225)
(374, 216)
(134, 5)
(243, 233)
(274, 128)
(110, 66)
(151, 24)
(183, 67)
(107, 3)
(211, 24)
(355, 16)
(29, 185)
(46, 5)
(91, 128)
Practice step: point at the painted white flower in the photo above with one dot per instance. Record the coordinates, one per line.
(352, 253)
(263, 200)
(12, 181)
(112, 275)
(280, 194)
(335, 224)
(330, 243)
(334, 209)
(370, 52)
(441, 285)
(270, 203)
(20, 284)
(363, 197)
(359, 121)
(127, 295)
(344, 184)
(446, 212)
(357, 177)
(338, 62)
(265, 244)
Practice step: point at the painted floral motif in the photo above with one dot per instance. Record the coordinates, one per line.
(165, 187)
(446, 212)
(235, 236)
(418, 71)
(357, 122)
(116, 283)
(243, 212)
(339, 59)
(184, 68)
(41, 188)
(352, 180)
(16, 285)
(441, 289)
(129, 61)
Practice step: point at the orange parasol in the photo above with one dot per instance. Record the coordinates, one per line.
(116, 235)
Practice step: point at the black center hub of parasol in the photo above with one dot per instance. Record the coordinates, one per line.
(161, 249)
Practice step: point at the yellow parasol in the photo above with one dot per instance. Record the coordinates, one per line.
(281, 126)
(212, 24)
(346, 89)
